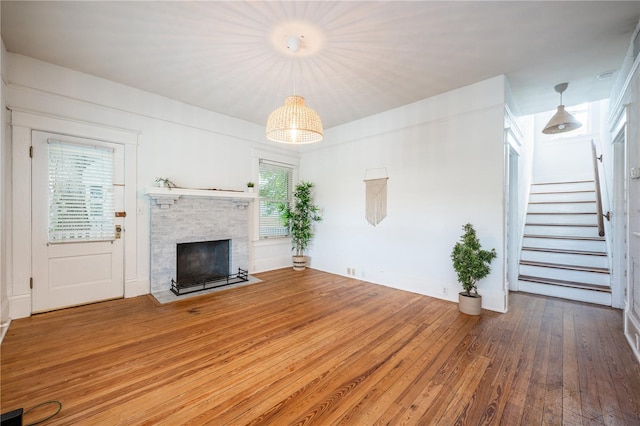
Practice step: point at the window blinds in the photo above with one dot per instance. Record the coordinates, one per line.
(275, 188)
(81, 201)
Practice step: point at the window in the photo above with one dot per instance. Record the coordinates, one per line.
(275, 187)
(81, 204)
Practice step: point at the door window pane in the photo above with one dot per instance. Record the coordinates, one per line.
(81, 200)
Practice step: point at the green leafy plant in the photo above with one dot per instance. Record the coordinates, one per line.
(165, 182)
(470, 261)
(299, 217)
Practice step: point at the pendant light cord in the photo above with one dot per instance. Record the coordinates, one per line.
(293, 70)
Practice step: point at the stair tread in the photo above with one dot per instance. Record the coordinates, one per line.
(579, 225)
(565, 266)
(563, 213)
(579, 191)
(563, 202)
(563, 183)
(563, 237)
(563, 283)
(565, 251)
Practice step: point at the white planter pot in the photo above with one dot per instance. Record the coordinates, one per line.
(470, 305)
(299, 263)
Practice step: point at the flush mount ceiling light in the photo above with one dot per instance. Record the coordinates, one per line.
(294, 123)
(561, 121)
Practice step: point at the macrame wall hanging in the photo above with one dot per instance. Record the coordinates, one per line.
(376, 195)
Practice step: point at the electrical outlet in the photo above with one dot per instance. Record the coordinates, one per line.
(353, 271)
(445, 290)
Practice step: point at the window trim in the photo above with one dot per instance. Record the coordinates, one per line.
(290, 169)
(287, 158)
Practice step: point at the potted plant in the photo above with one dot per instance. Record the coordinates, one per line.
(299, 216)
(165, 183)
(250, 186)
(471, 263)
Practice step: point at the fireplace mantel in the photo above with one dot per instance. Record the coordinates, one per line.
(166, 197)
(178, 216)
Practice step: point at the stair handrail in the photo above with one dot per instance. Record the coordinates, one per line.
(596, 175)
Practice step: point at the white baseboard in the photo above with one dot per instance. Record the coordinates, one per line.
(20, 306)
(136, 287)
(4, 327)
(270, 264)
(632, 333)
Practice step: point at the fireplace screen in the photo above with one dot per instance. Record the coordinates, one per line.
(204, 265)
(203, 261)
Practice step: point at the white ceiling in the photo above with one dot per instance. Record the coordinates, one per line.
(358, 58)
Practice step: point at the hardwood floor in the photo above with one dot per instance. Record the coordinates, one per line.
(315, 348)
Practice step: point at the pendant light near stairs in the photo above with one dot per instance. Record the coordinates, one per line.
(561, 121)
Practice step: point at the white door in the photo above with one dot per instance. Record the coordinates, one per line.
(77, 192)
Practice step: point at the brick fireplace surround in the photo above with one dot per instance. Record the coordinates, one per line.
(189, 215)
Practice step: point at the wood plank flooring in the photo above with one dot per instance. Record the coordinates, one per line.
(316, 348)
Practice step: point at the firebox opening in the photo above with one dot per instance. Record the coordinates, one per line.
(202, 261)
(204, 265)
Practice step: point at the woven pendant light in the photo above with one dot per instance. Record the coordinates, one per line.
(294, 123)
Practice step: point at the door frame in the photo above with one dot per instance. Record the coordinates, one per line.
(22, 124)
(619, 225)
(55, 286)
(511, 215)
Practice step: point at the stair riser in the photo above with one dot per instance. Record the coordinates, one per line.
(565, 244)
(589, 219)
(562, 197)
(566, 259)
(588, 296)
(565, 275)
(563, 187)
(564, 231)
(563, 208)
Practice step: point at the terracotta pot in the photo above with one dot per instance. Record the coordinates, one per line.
(470, 305)
(299, 263)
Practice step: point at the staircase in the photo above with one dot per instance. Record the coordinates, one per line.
(562, 253)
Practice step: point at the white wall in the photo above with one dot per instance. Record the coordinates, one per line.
(625, 116)
(5, 197)
(445, 158)
(192, 147)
